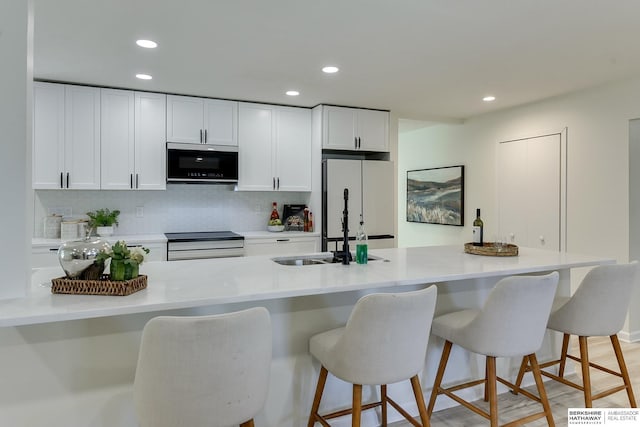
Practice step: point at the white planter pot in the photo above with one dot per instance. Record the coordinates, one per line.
(104, 231)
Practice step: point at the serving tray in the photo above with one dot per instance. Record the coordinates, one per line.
(491, 249)
(102, 286)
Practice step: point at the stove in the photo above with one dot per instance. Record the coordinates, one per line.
(204, 244)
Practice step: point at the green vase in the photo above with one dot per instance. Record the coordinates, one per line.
(121, 270)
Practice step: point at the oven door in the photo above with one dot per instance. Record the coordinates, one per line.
(200, 163)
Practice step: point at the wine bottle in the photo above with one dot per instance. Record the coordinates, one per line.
(274, 211)
(478, 230)
(362, 255)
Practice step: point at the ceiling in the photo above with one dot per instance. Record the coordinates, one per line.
(423, 59)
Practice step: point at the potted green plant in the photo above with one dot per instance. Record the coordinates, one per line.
(103, 220)
(125, 262)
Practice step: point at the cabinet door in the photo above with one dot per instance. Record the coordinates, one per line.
(341, 174)
(221, 122)
(529, 182)
(339, 128)
(293, 149)
(117, 139)
(185, 116)
(82, 137)
(377, 197)
(255, 141)
(48, 136)
(150, 137)
(373, 130)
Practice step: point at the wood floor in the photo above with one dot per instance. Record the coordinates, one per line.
(560, 396)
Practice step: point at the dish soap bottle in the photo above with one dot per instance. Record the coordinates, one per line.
(361, 244)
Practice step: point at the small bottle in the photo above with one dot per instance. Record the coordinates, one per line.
(361, 244)
(306, 220)
(478, 230)
(274, 211)
(311, 222)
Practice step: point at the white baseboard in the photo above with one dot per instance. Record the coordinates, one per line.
(629, 336)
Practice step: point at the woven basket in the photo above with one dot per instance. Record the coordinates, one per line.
(490, 249)
(103, 286)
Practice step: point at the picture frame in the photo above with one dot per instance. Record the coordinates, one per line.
(436, 195)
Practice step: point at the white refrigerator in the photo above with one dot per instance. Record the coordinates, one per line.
(371, 194)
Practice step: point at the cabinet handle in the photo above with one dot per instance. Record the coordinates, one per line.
(137, 180)
(359, 143)
(130, 180)
(200, 136)
(61, 180)
(67, 179)
(277, 240)
(205, 136)
(274, 182)
(355, 142)
(278, 183)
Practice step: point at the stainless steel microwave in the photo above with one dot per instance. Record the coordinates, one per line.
(201, 163)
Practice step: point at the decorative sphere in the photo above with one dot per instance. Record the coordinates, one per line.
(78, 255)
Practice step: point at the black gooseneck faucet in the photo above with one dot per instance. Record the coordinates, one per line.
(345, 229)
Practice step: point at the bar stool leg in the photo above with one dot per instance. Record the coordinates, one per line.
(493, 392)
(436, 385)
(357, 405)
(486, 379)
(520, 377)
(623, 369)
(541, 391)
(248, 424)
(563, 354)
(586, 379)
(322, 379)
(422, 409)
(383, 403)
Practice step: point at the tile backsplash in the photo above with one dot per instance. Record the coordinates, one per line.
(182, 207)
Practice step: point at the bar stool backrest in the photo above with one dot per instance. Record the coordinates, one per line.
(203, 370)
(599, 305)
(385, 339)
(514, 317)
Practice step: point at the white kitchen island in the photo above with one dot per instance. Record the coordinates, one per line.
(69, 360)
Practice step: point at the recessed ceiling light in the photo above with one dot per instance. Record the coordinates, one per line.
(489, 98)
(144, 76)
(292, 93)
(149, 44)
(330, 69)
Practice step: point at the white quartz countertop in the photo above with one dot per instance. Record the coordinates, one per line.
(129, 238)
(193, 283)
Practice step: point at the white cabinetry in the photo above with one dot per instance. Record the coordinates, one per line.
(66, 137)
(133, 140)
(281, 245)
(274, 148)
(355, 129)
(202, 120)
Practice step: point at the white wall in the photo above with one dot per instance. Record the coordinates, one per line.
(15, 140)
(598, 168)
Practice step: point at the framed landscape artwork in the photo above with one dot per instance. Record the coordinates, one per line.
(436, 196)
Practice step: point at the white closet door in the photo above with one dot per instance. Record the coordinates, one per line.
(529, 191)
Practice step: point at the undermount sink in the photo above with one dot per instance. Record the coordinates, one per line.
(315, 259)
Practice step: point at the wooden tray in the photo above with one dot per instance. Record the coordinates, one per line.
(103, 286)
(490, 249)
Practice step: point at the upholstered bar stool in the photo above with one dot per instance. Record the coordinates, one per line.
(511, 323)
(384, 342)
(202, 371)
(597, 308)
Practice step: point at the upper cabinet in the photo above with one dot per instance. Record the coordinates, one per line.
(66, 137)
(352, 129)
(274, 148)
(133, 149)
(202, 120)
